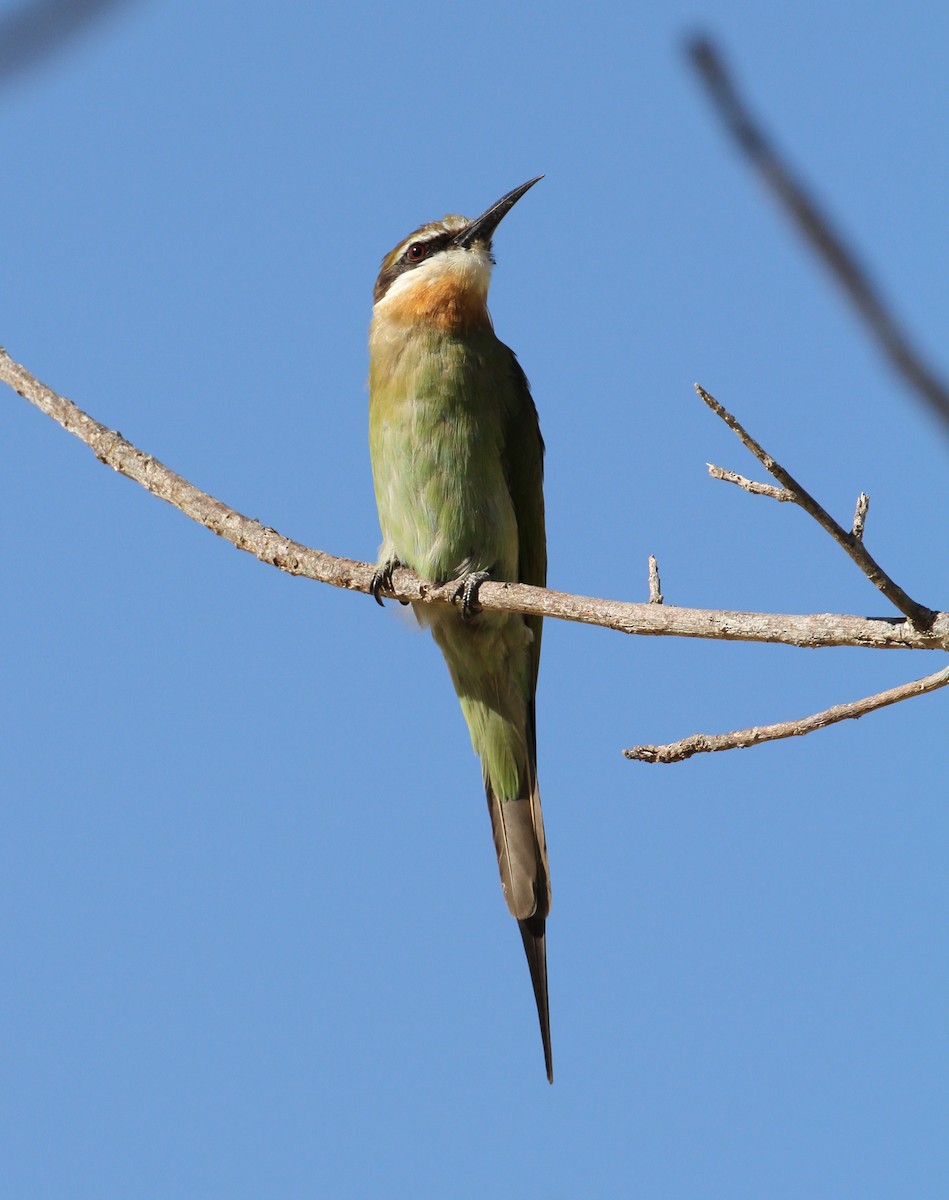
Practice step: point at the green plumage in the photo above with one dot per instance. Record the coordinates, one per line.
(458, 468)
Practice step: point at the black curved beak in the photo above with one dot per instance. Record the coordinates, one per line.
(481, 228)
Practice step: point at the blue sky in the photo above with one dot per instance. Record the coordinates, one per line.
(253, 941)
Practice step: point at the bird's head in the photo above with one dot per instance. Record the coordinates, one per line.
(440, 273)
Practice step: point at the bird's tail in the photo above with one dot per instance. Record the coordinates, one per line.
(518, 828)
(535, 947)
(494, 675)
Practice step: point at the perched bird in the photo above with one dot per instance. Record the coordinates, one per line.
(457, 463)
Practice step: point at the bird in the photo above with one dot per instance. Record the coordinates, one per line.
(458, 462)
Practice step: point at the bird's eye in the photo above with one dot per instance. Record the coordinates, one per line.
(416, 252)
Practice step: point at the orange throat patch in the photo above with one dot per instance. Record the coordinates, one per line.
(446, 302)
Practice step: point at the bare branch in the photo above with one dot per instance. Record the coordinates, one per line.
(741, 739)
(860, 516)
(816, 229)
(749, 485)
(655, 587)
(920, 615)
(810, 630)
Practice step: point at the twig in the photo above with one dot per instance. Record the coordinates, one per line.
(816, 229)
(749, 485)
(921, 616)
(704, 743)
(860, 516)
(655, 587)
(810, 630)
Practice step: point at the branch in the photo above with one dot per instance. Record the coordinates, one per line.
(704, 743)
(655, 586)
(749, 485)
(32, 32)
(860, 517)
(657, 620)
(816, 229)
(851, 542)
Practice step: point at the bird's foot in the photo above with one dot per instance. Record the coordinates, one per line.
(467, 593)
(382, 580)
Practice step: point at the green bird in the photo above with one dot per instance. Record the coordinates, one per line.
(458, 464)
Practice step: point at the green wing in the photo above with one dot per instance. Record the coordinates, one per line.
(524, 467)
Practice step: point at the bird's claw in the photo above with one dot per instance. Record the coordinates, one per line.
(467, 593)
(382, 580)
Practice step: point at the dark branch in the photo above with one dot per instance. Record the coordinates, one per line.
(33, 32)
(816, 229)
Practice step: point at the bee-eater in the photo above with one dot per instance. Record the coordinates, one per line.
(457, 463)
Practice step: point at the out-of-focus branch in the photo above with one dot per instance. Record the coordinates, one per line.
(816, 229)
(708, 743)
(657, 620)
(852, 543)
(32, 32)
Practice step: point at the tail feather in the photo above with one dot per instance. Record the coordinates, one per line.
(518, 828)
(535, 947)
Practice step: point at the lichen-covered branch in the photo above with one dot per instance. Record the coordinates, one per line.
(651, 620)
(741, 739)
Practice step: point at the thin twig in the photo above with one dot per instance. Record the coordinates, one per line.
(705, 743)
(655, 587)
(816, 229)
(921, 616)
(810, 630)
(749, 485)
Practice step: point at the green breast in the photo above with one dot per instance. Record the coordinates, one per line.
(438, 411)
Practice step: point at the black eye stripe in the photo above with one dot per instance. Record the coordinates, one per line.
(406, 263)
(431, 246)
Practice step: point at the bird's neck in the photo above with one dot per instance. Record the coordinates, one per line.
(438, 305)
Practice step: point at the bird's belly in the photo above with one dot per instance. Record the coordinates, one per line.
(443, 526)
